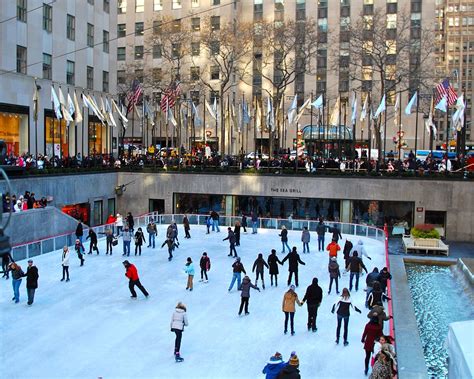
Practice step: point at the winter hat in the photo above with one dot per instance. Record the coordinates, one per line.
(238, 259)
(275, 359)
(292, 287)
(205, 254)
(294, 361)
(126, 263)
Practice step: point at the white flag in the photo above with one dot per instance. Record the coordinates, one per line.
(382, 107)
(458, 116)
(318, 103)
(411, 103)
(258, 120)
(108, 109)
(78, 114)
(354, 109)
(442, 105)
(270, 116)
(302, 109)
(292, 110)
(334, 119)
(122, 116)
(210, 110)
(56, 104)
(70, 105)
(363, 113)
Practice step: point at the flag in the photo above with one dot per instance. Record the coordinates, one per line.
(210, 109)
(270, 116)
(169, 96)
(77, 114)
(245, 113)
(35, 102)
(334, 119)
(292, 110)
(122, 116)
(172, 119)
(56, 104)
(429, 125)
(258, 117)
(458, 116)
(70, 105)
(135, 109)
(447, 90)
(318, 103)
(109, 113)
(98, 110)
(363, 113)
(134, 95)
(64, 111)
(354, 109)
(148, 113)
(381, 108)
(396, 108)
(442, 105)
(411, 103)
(302, 109)
(195, 112)
(89, 103)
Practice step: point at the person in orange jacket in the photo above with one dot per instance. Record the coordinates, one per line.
(333, 248)
(111, 221)
(132, 274)
(288, 307)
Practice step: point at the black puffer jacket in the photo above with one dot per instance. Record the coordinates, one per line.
(289, 372)
(293, 259)
(273, 261)
(314, 293)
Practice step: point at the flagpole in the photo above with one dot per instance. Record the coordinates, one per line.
(255, 133)
(311, 127)
(385, 130)
(369, 130)
(345, 127)
(400, 127)
(338, 129)
(204, 122)
(416, 120)
(326, 130)
(242, 125)
(447, 138)
(54, 126)
(229, 131)
(354, 130)
(261, 126)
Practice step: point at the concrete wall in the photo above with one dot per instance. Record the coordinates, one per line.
(37, 224)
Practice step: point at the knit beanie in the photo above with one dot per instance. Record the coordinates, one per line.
(294, 361)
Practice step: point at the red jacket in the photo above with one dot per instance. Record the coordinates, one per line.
(371, 332)
(132, 272)
(333, 248)
(111, 220)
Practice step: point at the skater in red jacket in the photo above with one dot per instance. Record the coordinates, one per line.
(132, 275)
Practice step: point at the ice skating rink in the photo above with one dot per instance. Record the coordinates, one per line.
(90, 328)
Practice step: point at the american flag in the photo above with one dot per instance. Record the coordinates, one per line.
(446, 89)
(134, 95)
(169, 97)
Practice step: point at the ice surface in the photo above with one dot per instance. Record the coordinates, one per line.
(91, 328)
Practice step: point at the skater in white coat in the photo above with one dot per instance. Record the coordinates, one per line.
(178, 321)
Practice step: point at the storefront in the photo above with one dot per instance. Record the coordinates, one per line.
(98, 140)
(56, 135)
(14, 128)
(78, 211)
(378, 213)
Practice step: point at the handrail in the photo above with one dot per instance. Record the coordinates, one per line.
(463, 168)
(389, 286)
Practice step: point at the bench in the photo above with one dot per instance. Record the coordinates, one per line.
(425, 245)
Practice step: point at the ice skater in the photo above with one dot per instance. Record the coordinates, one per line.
(189, 270)
(237, 270)
(245, 294)
(132, 274)
(187, 227)
(79, 231)
(336, 234)
(6, 259)
(237, 233)
(384, 277)
(126, 241)
(372, 331)
(231, 238)
(347, 252)
(208, 223)
(313, 298)
(119, 224)
(342, 309)
(179, 320)
(17, 275)
(376, 296)
(273, 262)
(171, 247)
(244, 222)
(109, 239)
(258, 265)
(205, 265)
(284, 240)
(274, 366)
(93, 246)
(152, 233)
(65, 264)
(334, 274)
(139, 241)
(289, 308)
(32, 277)
(305, 238)
(333, 248)
(293, 261)
(79, 248)
(355, 266)
(321, 231)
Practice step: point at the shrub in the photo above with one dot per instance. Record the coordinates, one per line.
(424, 231)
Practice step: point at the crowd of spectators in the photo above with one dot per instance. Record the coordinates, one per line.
(22, 202)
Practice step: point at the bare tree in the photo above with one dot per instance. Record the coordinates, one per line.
(228, 47)
(384, 54)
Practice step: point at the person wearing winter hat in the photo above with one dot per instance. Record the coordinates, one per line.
(288, 307)
(189, 269)
(237, 269)
(291, 371)
(372, 331)
(334, 274)
(274, 366)
(245, 295)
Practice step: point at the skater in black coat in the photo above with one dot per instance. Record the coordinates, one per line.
(336, 234)
(31, 281)
(347, 252)
(244, 223)
(171, 247)
(334, 274)
(139, 241)
(232, 240)
(205, 265)
(313, 298)
(376, 296)
(130, 222)
(79, 250)
(259, 264)
(384, 277)
(273, 262)
(237, 233)
(93, 246)
(245, 295)
(355, 266)
(79, 231)
(293, 260)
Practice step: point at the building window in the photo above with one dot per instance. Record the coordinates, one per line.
(214, 72)
(157, 74)
(158, 5)
(47, 66)
(195, 49)
(90, 35)
(195, 72)
(139, 28)
(215, 47)
(176, 50)
(56, 137)
(71, 27)
(176, 4)
(90, 77)
(215, 22)
(91, 2)
(120, 53)
(106, 6)
(139, 6)
(47, 18)
(257, 10)
(121, 30)
(14, 131)
(157, 26)
(216, 2)
(194, 3)
(196, 24)
(105, 43)
(156, 51)
(121, 77)
(138, 52)
(70, 72)
(21, 10)
(20, 59)
(105, 81)
(391, 21)
(176, 26)
(121, 6)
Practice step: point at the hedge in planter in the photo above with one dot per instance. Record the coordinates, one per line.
(424, 231)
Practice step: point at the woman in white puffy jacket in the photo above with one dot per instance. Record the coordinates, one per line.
(119, 223)
(65, 263)
(178, 321)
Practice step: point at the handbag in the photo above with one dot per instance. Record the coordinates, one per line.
(115, 242)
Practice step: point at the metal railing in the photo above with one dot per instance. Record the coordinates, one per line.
(49, 244)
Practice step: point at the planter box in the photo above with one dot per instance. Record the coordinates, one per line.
(426, 242)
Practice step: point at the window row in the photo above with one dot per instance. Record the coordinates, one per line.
(158, 5)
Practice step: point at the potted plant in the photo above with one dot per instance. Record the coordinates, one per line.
(425, 235)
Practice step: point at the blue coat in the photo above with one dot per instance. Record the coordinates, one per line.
(272, 369)
(189, 269)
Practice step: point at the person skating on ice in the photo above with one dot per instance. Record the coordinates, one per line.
(289, 308)
(174, 228)
(258, 265)
(376, 296)
(321, 228)
(109, 238)
(313, 298)
(336, 234)
(244, 287)
(372, 331)
(205, 265)
(274, 366)
(132, 274)
(244, 222)
(171, 246)
(93, 246)
(139, 239)
(79, 231)
(237, 233)
(17, 275)
(371, 278)
(284, 239)
(291, 370)
(130, 222)
(6, 259)
(347, 252)
(342, 308)
(189, 270)
(355, 266)
(152, 233)
(273, 262)
(305, 238)
(384, 277)
(119, 224)
(186, 227)
(179, 320)
(208, 224)
(237, 270)
(79, 248)
(32, 277)
(333, 248)
(293, 261)
(231, 238)
(65, 263)
(334, 274)
(126, 241)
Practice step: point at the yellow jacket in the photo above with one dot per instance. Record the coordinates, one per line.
(289, 301)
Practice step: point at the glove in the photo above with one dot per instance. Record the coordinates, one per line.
(369, 258)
